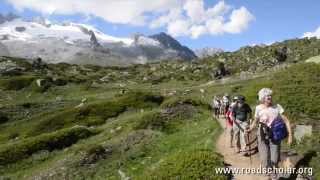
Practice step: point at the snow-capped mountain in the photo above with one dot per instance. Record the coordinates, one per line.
(83, 44)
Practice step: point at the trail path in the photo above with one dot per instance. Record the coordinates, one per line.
(234, 159)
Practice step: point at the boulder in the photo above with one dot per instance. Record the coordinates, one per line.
(43, 84)
(302, 130)
(40, 82)
(10, 68)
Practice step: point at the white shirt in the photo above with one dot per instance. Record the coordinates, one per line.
(267, 115)
(225, 99)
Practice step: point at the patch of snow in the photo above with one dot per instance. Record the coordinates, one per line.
(145, 41)
(70, 31)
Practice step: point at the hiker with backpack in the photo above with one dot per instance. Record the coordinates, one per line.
(273, 127)
(216, 103)
(226, 103)
(241, 115)
(229, 122)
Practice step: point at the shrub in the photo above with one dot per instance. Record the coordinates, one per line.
(16, 83)
(13, 152)
(174, 101)
(197, 164)
(153, 120)
(3, 118)
(309, 147)
(95, 114)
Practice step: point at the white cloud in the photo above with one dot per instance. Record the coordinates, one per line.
(179, 28)
(179, 17)
(315, 33)
(215, 26)
(239, 20)
(198, 21)
(197, 31)
(173, 14)
(195, 10)
(114, 11)
(219, 9)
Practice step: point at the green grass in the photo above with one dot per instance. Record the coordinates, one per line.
(13, 152)
(198, 164)
(131, 149)
(16, 83)
(309, 147)
(296, 89)
(143, 132)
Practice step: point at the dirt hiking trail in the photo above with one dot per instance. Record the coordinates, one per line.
(234, 159)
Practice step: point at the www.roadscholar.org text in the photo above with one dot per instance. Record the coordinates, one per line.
(262, 170)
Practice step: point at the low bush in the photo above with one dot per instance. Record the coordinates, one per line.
(197, 164)
(95, 114)
(16, 151)
(3, 118)
(310, 147)
(16, 83)
(174, 101)
(153, 120)
(166, 119)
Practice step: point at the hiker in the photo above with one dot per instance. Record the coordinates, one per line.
(273, 126)
(229, 122)
(241, 118)
(225, 101)
(216, 106)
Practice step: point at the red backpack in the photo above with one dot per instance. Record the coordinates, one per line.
(228, 118)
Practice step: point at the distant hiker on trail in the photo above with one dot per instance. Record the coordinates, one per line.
(225, 103)
(216, 106)
(229, 122)
(241, 116)
(272, 129)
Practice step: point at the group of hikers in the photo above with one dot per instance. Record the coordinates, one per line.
(269, 124)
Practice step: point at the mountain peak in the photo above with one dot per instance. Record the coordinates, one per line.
(168, 41)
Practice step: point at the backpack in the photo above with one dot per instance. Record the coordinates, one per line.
(228, 118)
(278, 130)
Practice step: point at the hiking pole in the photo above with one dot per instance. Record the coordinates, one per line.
(248, 140)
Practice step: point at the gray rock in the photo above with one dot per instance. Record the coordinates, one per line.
(9, 67)
(20, 29)
(301, 131)
(40, 82)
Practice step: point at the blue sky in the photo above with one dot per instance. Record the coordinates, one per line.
(254, 22)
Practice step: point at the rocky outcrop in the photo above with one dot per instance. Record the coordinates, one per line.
(94, 40)
(10, 68)
(169, 42)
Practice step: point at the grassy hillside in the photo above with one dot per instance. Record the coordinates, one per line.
(144, 122)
